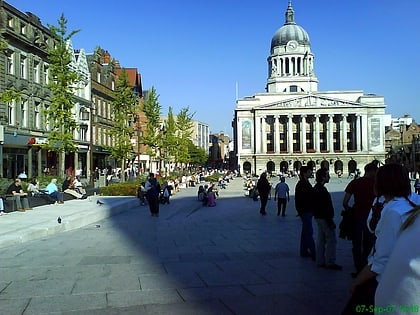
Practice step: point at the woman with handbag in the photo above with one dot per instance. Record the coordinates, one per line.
(393, 184)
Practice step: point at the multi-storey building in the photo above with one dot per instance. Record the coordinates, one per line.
(294, 124)
(219, 155)
(103, 72)
(24, 68)
(200, 135)
(81, 160)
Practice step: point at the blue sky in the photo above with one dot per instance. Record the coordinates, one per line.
(193, 52)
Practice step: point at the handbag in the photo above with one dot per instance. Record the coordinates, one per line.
(347, 224)
(376, 214)
(362, 300)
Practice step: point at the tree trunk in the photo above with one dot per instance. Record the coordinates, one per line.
(122, 179)
(61, 164)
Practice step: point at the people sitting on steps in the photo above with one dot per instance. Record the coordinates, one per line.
(34, 191)
(53, 191)
(20, 197)
(68, 188)
(78, 186)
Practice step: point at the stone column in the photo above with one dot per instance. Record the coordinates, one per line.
(331, 132)
(303, 131)
(317, 141)
(290, 134)
(76, 162)
(257, 134)
(358, 134)
(39, 161)
(344, 135)
(364, 126)
(30, 167)
(264, 135)
(276, 134)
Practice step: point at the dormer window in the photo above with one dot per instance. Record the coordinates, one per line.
(10, 21)
(22, 28)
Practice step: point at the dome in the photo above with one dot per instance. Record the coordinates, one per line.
(290, 31)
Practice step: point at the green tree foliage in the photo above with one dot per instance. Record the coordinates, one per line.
(184, 126)
(197, 156)
(62, 81)
(124, 108)
(170, 140)
(153, 137)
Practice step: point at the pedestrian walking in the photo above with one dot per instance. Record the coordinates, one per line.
(281, 194)
(153, 191)
(263, 187)
(304, 207)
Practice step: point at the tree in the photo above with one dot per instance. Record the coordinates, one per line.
(153, 137)
(170, 140)
(197, 156)
(124, 108)
(62, 81)
(184, 126)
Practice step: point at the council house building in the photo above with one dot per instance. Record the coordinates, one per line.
(293, 124)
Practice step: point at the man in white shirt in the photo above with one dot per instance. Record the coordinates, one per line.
(281, 194)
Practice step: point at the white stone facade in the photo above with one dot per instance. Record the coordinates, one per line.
(294, 124)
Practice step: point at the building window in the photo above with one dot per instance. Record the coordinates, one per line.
(23, 66)
(99, 107)
(293, 88)
(47, 125)
(11, 113)
(23, 114)
(83, 133)
(22, 28)
(113, 85)
(36, 71)
(10, 62)
(10, 21)
(46, 73)
(37, 115)
(98, 77)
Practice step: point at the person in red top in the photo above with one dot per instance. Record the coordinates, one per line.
(363, 196)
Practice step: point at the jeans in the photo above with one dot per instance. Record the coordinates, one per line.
(21, 202)
(307, 243)
(325, 244)
(263, 199)
(56, 195)
(281, 206)
(363, 241)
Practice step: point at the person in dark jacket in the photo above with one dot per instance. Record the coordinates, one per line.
(153, 191)
(324, 217)
(361, 189)
(263, 187)
(304, 208)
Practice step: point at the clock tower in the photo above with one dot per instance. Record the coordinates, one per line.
(291, 62)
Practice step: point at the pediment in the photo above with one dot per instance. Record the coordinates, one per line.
(309, 101)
